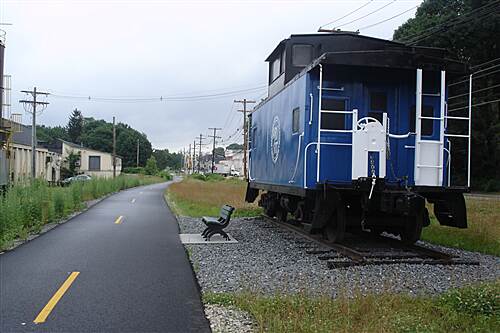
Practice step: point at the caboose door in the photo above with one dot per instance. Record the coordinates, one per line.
(380, 99)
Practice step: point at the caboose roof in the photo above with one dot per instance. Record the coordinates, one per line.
(346, 40)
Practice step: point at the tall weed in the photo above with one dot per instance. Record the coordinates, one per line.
(27, 206)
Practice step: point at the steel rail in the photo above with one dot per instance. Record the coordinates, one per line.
(345, 255)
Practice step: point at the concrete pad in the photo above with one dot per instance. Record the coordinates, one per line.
(198, 239)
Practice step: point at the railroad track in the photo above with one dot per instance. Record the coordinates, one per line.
(366, 249)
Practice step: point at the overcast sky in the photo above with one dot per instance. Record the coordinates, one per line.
(142, 49)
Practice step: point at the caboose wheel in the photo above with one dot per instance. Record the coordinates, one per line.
(282, 214)
(270, 211)
(270, 204)
(335, 228)
(410, 233)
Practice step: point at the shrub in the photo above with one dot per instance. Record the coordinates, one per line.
(478, 300)
(198, 176)
(151, 166)
(134, 170)
(59, 204)
(165, 175)
(214, 177)
(493, 185)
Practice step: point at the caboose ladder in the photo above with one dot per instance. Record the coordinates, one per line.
(429, 153)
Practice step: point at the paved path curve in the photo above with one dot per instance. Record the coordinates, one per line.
(134, 275)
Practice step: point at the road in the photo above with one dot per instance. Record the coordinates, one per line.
(118, 267)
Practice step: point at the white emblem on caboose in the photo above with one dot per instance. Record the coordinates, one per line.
(275, 139)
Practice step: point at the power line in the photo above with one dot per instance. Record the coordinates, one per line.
(369, 14)
(346, 15)
(474, 92)
(476, 14)
(477, 104)
(160, 98)
(475, 77)
(410, 37)
(388, 19)
(486, 63)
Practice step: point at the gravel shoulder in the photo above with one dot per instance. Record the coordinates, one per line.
(273, 261)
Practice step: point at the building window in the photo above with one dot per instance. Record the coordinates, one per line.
(295, 120)
(94, 163)
(427, 124)
(333, 121)
(378, 105)
(302, 55)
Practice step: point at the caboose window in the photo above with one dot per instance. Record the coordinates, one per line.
(275, 69)
(427, 124)
(378, 105)
(302, 55)
(295, 120)
(333, 121)
(277, 66)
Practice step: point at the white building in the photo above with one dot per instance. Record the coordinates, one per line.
(91, 162)
(18, 162)
(234, 160)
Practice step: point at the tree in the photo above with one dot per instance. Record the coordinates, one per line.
(151, 167)
(98, 135)
(235, 146)
(71, 165)
(50, 134)
(75, 126)
(475, 41)
(165, 159)
(220, 154)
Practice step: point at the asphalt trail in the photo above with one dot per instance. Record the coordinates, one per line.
(134, 275)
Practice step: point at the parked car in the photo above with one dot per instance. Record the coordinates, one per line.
(235, 173)
(78, 178)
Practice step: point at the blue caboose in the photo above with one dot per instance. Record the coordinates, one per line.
(353, 135)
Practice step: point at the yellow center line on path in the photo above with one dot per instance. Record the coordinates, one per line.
(133, 200)
(42, 316)
(119, 220)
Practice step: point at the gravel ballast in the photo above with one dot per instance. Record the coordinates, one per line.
(228, 319)
(273, 260)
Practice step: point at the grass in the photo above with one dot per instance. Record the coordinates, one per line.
(471, 309)
(26, 207)
(196, 198)
(482, 234)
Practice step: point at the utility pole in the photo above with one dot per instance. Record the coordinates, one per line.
(245, 132)
(199, 151)
(114, 148)
(213, 149)
(183, 158)
(188, 168)
(137, 157)
(194, 154)
(34, 103)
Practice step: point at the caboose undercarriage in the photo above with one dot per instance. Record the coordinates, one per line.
(334, 210)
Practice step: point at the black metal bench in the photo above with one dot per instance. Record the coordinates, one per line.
(216, 225)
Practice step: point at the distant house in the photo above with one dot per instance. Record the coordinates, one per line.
(92, 162)
(234, 160)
